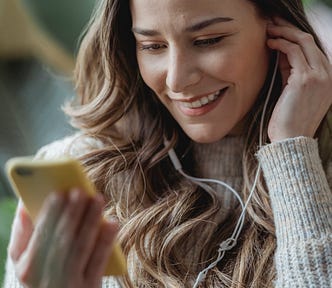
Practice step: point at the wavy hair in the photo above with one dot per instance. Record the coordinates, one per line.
(158, 211)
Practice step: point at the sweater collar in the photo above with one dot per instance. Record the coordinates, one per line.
(219, 159)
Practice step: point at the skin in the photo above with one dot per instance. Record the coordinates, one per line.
(178, 68)
(307, 82)
(68, 247)
(181, 69)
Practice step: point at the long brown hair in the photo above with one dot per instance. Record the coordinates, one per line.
(157, 210)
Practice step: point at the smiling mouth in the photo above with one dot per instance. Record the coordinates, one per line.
(204, 100)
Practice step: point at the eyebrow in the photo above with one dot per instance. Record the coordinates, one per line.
(193, 28)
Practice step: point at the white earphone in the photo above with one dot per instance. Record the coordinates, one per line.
(230, 242)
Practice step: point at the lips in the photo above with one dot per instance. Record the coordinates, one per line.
(202, 101)
(201, 105)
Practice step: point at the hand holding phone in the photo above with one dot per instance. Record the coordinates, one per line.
(33, 180)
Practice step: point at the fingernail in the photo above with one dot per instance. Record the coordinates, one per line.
(56, 196)
(75, 194)
(100, 198)
(111, 218)
(55, 199)
(111, 228)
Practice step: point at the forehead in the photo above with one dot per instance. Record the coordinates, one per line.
(151, 12)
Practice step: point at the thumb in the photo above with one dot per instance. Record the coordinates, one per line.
(21, 233)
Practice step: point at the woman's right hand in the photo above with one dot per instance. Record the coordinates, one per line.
(69, 245)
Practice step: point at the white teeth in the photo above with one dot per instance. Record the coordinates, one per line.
(197, 104)
(187, 104)
(203, 101)
(217, 93)
(211, 97)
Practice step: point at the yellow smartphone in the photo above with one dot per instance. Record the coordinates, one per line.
(32, 180)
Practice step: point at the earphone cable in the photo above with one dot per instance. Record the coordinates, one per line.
(230, 242)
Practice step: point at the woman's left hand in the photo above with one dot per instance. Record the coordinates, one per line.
(307, 82)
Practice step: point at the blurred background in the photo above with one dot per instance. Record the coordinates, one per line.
(38, 44)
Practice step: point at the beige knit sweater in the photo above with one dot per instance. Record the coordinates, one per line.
(300, 194)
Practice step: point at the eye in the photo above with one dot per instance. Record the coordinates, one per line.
(208, 41)
(151, 47)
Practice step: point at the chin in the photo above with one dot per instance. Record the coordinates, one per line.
(205, 136)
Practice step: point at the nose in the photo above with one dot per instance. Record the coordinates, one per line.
(182, 71)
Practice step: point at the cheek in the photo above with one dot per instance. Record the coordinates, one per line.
(151, 73)
(247, 67)
(237, 64)
(255, 70)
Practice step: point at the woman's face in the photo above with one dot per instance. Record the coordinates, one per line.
(206, 60)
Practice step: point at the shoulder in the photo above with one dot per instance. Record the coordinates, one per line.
(75, 146)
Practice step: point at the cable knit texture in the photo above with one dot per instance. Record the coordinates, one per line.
(300, 194)
(302, 205)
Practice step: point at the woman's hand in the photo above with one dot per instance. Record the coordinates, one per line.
(307, 83)
(69, 245)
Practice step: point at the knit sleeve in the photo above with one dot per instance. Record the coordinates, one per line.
(74, 146)
(10, 278)
(301, 199)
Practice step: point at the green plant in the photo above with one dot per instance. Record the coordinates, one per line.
(7, 211)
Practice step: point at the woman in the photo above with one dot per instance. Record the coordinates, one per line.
(194, 76)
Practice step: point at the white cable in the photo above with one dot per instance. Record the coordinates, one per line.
(268, 99)
(230, 242)
(207, 180)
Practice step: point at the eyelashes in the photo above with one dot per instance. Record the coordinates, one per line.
(155, 47)
(152, 47)
(208, 41)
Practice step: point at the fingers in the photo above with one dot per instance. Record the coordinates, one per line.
(291, 41)
(69, 241)
(305, 42)
(86, 236)
(21, 233)
(293, 51)
(31, 265)
(101, 253)
(306, 75)
(65, 233)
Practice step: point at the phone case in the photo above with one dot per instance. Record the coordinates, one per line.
(32, 180)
